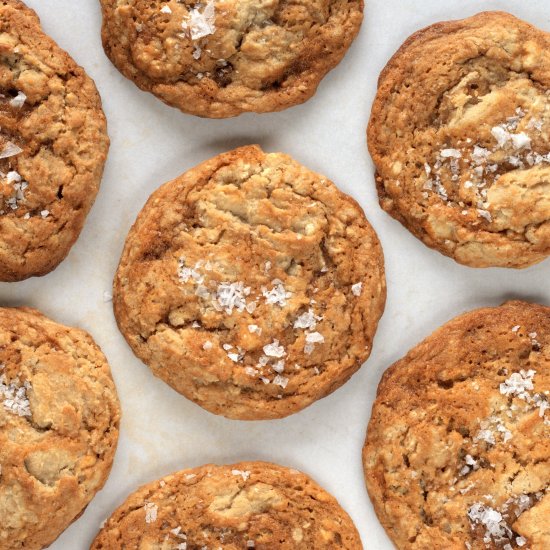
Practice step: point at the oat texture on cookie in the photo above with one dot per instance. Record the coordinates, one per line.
(53, 145)
(251, 285)
(457, 453)
(250, 505)
(219, 58)
(59, 417)
(459, 134)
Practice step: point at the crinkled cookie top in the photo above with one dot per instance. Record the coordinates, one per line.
(219, 58)
(59, 418)
(53, 145)
(458, 447)
(251, 505)
(459, 135)
(251, 285)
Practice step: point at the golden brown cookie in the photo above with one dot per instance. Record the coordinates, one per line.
(59, 417)
(53, 145)
(237, 507)
(459, 135)
(457, 454)
(220, 58)
(251, 285)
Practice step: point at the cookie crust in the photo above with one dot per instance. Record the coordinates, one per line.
(247, 505)
(53, 145)
(59, 417)
(459, 135)
(457, 453)
(221, 58)
(251, 285)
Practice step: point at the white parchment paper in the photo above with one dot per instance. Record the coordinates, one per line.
(151, 143)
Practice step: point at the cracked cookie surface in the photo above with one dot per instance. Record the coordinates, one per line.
(251, 285)
(253, 505)
(59, 417)
(220, 58)
(459, 135)
(53, 145)
(457, 453)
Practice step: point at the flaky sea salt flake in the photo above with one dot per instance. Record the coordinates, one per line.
(10, 150)
(200, 24)
(243, 473)
(277, 295)
(151, 511)
(274, 350)
(18, 101)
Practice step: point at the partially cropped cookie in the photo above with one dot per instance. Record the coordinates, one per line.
(220, 58)
(251, 285)
(59, 417)
(53, 145)
(459, 135)
(248, 505)
(458, 446)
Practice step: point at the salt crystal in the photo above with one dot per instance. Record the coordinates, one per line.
(277, 295)
(200, 24)
(18, 101)
(243, 473)
(10, 150)
(274, 349)
(356, 289)
(151, 511)
(521, 141)
(451, 153)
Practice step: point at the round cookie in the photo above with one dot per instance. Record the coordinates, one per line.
(247, 505)
(459, 135)
(457, 453)
(53, 145)
(220, 58)
(251, 285)
(59, 417)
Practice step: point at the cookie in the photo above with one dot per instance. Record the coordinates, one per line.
(251, 285)
(59, 417)
(457, 454)
(53, 145)
(248, 505)
(459, 135)
(220, 58)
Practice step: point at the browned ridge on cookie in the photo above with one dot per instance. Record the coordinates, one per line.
(459, 135)
(59, 417)
(250, 505)
(53, 145)
(251, 285)
(457, 453)
(221, 58)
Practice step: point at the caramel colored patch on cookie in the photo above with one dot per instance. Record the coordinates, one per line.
(53, 145)
(457, 453)
(59, 417)
(459, 134)
(251, 505)
(251, 285)
(219, 58)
